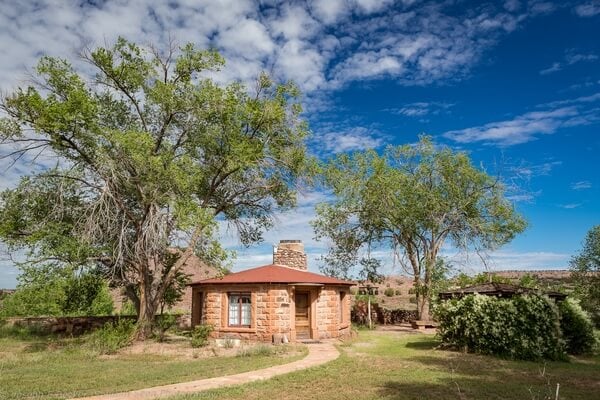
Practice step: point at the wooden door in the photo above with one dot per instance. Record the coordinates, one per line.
(302, 300)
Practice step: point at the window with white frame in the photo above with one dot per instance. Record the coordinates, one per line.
(240, 309)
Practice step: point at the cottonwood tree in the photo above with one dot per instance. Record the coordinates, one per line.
(150, 154)
(586, 272)
(411, 199)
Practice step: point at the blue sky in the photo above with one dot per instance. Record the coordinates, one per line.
(514, 83)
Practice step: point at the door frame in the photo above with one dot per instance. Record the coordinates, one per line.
(309, 299)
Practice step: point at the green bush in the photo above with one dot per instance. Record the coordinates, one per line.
(523, 327)
(577, 328)
(163, 323)
(53, 291)
(200, 335)
(397, 292)
(112, 337)
(389, 292)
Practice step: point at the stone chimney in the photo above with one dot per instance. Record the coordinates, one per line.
(290, 253)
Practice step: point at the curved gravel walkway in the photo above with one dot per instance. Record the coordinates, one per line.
(318, 354)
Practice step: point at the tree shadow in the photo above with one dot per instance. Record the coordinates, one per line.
(468, 376)
(423, 344)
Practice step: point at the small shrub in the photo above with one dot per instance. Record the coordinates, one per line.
(577, 328)
(163, 324)
(389, 292)
(112, 337)
(200, 335)
(397, 292)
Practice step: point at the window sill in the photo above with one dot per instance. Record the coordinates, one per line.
(237, 329)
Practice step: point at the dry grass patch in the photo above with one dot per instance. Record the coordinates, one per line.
(50, 368)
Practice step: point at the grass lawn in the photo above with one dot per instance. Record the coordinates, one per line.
(50, 368)
(387, 365)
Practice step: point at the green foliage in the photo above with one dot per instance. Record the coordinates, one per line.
(150, 153)
(577, 328)
(112, 337)
(389, 292)
(164, 322)
(49, 290)
(413, 199)
(586, 273)
(522, 327)
(463, 280)
(200, 335)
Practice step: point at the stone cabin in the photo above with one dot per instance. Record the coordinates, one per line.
(278, 300)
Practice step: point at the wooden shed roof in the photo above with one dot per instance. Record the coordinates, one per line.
(497, 289)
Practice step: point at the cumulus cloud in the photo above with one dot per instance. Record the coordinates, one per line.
(348, 139)
(323, 44)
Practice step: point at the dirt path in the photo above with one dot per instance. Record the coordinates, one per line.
(317, 354)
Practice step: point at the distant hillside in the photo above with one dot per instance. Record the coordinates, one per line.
(543, 275)
(399, 293)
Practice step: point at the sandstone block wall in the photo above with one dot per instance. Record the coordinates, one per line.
(273, 311)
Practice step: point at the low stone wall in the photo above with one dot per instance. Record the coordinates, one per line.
(77, 325)
(397, 316)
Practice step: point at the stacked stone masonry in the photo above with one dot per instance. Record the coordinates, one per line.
(291, 254)
(273, 311)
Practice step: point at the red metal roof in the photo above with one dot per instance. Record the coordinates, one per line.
(275, 274)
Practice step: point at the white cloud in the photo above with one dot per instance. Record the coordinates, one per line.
(351, 139)
(588, 9)
(248, 38)
(581, 185)
(521, 129)
(329, 11)
(570, 206)
(421, 109)
(323, 45)
(527, 127)
(571, 57)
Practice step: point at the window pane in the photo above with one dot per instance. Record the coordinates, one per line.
(234, 310)
(246, 311)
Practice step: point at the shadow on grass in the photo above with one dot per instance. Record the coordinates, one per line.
(471, 387)
(468, 376)
(423, 344)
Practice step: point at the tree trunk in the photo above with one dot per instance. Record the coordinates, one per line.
(148, 306)
(422, 294)
(423, 308)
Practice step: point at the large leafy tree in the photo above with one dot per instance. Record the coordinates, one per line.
(411, 199)
(586, 272)
(151, 154)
